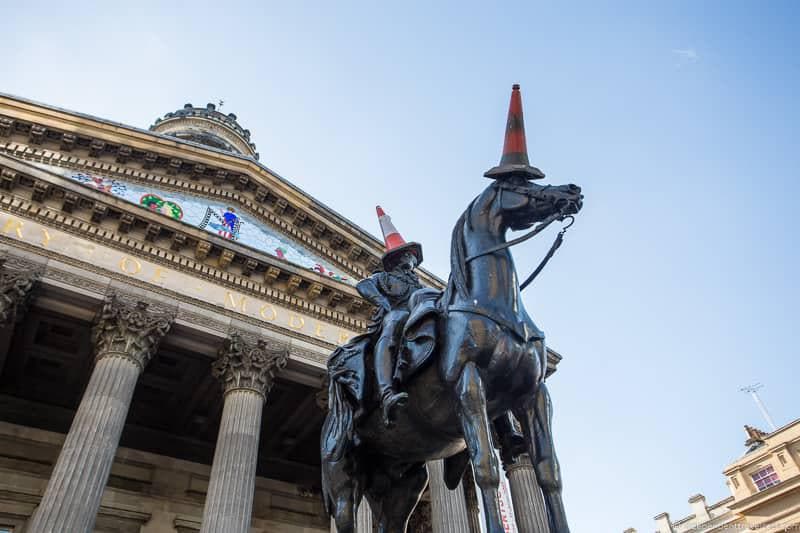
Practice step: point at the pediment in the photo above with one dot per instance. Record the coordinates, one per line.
(228, 220)
(108, 150)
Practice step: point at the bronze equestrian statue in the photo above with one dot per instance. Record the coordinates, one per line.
(437, 373)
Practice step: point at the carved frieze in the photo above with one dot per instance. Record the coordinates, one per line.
(124, 154)
(8, 178)
(201, 250)
(247, 363)
(37, 134)
(68, 141)
(131, 328)
(178, 241)
(195, 170)
(150, 159)
(6, 126)
(96, 147)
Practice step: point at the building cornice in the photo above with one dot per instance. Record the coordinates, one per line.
(152, 237)
(107, 141)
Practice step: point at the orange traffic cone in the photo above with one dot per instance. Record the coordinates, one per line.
(395, 244)
(515, 151)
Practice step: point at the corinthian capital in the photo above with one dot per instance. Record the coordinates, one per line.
(131, 329)
(15, 288)
(248, 364)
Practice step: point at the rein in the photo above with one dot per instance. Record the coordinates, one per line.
(535, 231)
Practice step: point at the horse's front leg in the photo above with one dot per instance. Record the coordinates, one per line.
(535, 414)
(475, 424)
(548, 471)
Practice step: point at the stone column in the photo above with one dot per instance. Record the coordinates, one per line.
(529, 508)
(246, 367)
(125, 339)
(364, 517)
(448, 507)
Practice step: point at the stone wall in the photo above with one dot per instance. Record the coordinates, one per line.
(146, 493)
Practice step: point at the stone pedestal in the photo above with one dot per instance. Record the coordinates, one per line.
(448, 507)
(247, 368)
(529, 508)
(126, 337)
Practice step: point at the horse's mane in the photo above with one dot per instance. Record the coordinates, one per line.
(459, 282)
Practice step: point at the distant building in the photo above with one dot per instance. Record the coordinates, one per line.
(765, 487)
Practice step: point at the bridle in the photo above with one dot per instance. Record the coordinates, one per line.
(560, 215)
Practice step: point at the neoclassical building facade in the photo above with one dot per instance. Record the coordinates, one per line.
(168, 306)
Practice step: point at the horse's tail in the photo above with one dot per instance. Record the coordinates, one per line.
(337, 436)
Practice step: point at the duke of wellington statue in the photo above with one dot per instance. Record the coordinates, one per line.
(442, 378)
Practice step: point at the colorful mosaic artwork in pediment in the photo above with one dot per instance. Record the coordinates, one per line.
(212, 216)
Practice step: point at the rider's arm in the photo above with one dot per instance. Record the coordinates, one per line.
(368, 288)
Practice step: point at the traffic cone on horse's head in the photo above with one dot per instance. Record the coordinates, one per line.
(515, 151)
(395, 244)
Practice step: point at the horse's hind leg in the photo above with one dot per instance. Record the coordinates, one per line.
(477, 433)
(535, 416)
(344, 515)
(393, 497)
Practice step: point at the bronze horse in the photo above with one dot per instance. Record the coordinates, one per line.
(490, 359)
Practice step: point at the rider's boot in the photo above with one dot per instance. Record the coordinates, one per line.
(384, 372)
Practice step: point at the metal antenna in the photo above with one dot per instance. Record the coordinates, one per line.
(221, 103)
(753, 391)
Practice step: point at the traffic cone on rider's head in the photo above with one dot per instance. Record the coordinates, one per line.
(515, 150)
(395, 244)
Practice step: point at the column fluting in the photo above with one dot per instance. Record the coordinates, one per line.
(125, 337)
(529, 507)
(246, 367)
(448, 507)
(364, 517)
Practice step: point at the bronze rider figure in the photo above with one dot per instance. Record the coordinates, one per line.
(390, 291)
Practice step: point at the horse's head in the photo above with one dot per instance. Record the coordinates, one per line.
(521, 203)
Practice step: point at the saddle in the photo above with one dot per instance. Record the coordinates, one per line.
(350, 364)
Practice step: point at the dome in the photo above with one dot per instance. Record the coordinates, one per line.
(207, 126)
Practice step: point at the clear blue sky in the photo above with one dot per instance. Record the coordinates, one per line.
(679, 120)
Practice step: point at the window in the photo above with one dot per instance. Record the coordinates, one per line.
(6, 529)
(765, 478)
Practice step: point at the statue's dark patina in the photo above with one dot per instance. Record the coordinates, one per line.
(467, 357)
